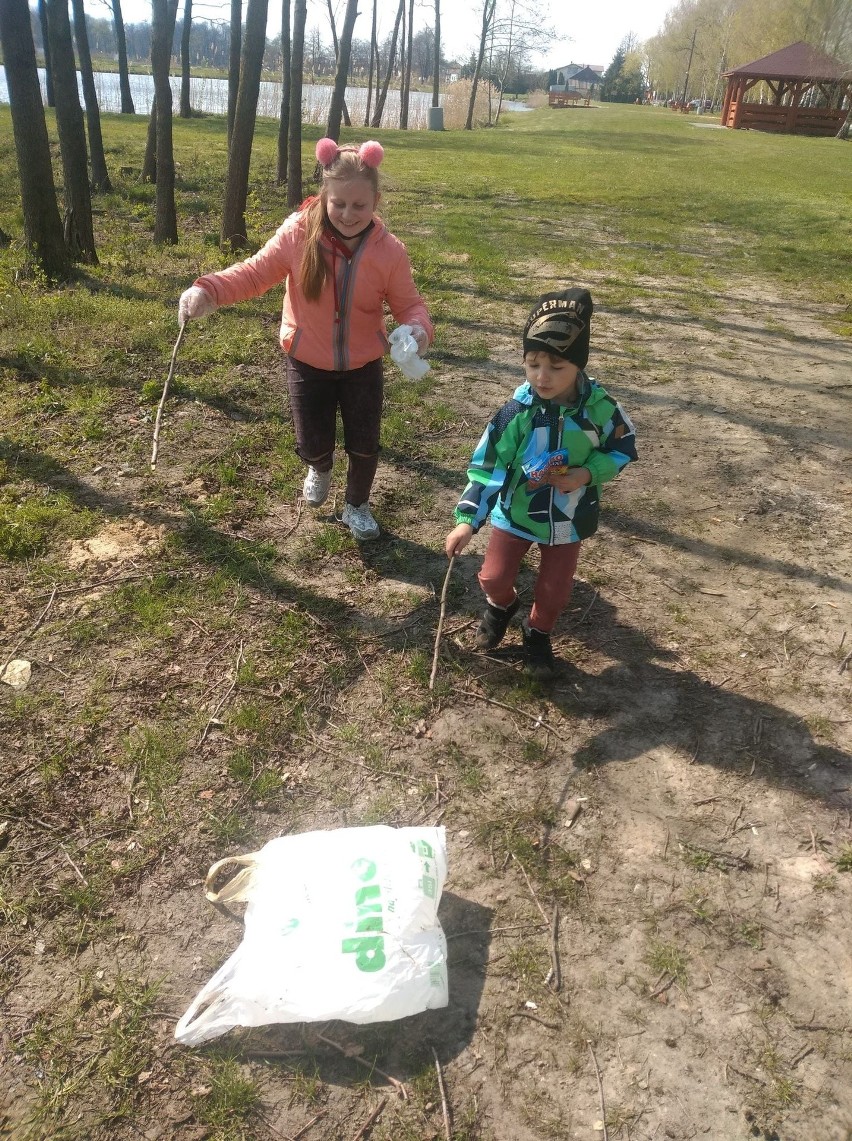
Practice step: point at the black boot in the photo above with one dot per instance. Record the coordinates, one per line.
(539, 662)
(495, 621)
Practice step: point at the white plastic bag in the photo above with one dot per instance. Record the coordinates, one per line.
(339, 924)
(404, 353)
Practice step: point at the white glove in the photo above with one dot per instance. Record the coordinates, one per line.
(405, 353)
(195, 303)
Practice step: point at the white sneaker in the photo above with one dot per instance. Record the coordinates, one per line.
(360, 522)
(315, 488)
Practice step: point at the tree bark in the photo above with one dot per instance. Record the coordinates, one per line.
(164, 13)
(149, 163)
(100, 174)
(380, 101)
(186, 32)
(239, 150)
(127, 107)
(234, 52)
(374, 59)
(79, 234)
(48, 62)
(488, 7)
(846, 129)
(284, 112)
(344, 54)
(294, 118)
(405, 93)
(42, 224)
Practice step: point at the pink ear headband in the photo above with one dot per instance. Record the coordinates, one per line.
(370, 153)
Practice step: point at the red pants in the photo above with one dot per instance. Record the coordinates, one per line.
(553, 586)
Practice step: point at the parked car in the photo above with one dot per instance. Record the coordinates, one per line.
(700, 104)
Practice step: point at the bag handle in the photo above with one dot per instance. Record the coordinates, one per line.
(237, 887)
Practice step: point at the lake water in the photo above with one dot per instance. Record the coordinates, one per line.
(211, 96)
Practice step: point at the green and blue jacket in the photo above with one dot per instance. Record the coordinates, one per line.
(596, 433)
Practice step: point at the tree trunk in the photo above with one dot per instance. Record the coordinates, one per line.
(186, 32)
(845, 130)
(284, 112)
(79, 235)
(436, 66)
(100, 174)
(164, 14)
(344, 54)
(487, 17)
(402, 63)
(234, 51)
(149, 163)
(127, 107)
(42, 224)
(239, 150)
(48, 63)
(380, 101)
(374, 60)
(294, 140)
(405, 95)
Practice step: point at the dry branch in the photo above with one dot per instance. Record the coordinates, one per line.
(155, 446)
(440, 623)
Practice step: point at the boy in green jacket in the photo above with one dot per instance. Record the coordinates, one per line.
(537, 472)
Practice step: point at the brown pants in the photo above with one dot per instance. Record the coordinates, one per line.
(553, 585)
(315, 396)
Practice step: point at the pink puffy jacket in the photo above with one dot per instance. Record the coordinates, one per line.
(345, 327)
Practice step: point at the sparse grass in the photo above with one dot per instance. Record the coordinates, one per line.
(668, 959)
(843, 862)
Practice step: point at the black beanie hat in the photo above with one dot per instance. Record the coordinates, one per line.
(559, 325)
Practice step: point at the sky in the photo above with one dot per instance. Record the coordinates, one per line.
(587, 33)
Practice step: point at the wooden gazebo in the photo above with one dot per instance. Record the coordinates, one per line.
(808, 90)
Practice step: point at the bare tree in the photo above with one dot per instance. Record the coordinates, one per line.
(234, 51)
(100, 174)
(127, 107)
(79, 233)
(48, 62)
(405, 89)
(344, 51)
(374, 59)
(186, 32)
(380, 101)
(164, 13)
(294, 141)
(284, 112)
(42, 224)
(488, 8)
(242, 136)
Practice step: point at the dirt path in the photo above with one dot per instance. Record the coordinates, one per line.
(700, 729)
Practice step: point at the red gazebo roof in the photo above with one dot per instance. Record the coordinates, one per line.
(798, 61)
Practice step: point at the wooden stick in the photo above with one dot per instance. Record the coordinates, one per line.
(371, 1120)
(30, 632)
(318, 1117)
(532, 893)
(395, 1082)
(511, 708)
(556, 977)
(600, 1089)
(441, 623)
(228, 693)
(156, 444)
(448, 1128)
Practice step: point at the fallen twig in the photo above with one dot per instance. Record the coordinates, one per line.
(224, 697)
(318, 1117)
(29, 632)
(371, 1120)
(448, 1127)
(533, 1018)
(511, 708)
(845, 662)
(441, 623)
(156, 441)
(664, 986)
(395, 1082)
(600, 1089)
(532, 893)
(556, 977)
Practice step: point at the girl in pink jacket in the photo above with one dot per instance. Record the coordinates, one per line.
(341, 266)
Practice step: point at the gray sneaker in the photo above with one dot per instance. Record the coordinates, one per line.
(360, 522)
(315, 488)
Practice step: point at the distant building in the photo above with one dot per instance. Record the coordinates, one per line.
(573, 83)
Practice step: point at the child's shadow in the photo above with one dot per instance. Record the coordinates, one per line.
(649, 703)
